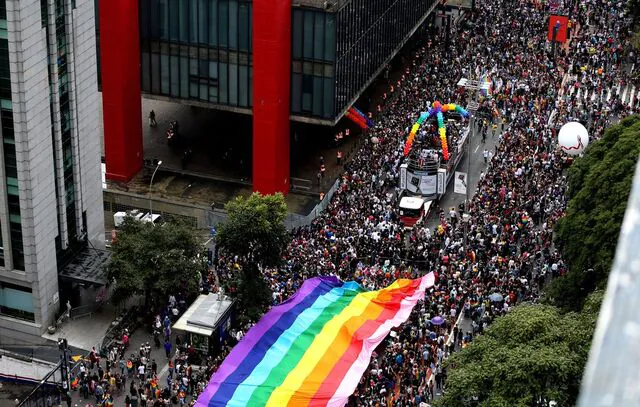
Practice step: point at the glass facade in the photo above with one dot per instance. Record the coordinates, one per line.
(198, 50)
(9, 147)
(313, 53)
(201, 50)
(16, 301)
(65, 118)
(367, 33)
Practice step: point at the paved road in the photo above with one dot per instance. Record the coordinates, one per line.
(139, 337)
(477, 165)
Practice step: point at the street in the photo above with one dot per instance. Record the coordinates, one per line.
(477, 165)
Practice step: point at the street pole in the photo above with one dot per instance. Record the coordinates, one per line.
(472, 135)
(150, 185)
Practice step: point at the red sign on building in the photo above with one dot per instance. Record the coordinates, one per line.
(562, 24)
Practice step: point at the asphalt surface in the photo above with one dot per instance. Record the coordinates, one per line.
(476, 166)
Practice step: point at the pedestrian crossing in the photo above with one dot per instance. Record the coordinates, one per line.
(629, 95)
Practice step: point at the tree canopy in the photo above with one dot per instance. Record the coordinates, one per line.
(155, 261)
(599, 187)
(255, 232)
(531, 355)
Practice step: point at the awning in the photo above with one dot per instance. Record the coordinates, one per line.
(87, 267)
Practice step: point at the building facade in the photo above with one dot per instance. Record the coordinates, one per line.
(206, 52)
(50, 181)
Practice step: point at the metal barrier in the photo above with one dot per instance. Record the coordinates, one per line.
(50, 385)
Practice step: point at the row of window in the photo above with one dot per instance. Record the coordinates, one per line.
(10, 159)
(214, 23)
(313, 35)
(368, 33)
(197, 79)
(65, 117)
(16, 301)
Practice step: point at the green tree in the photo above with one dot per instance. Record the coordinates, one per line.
(155, 261)
(599, 187)
(532, 354)
(633, 7)
(255, 232)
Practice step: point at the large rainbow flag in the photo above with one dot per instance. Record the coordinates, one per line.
(312, 349)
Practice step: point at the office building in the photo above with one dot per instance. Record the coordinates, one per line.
(50, 181)
(278, 60)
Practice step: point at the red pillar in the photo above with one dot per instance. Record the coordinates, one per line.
(271, 94)
(121, 100)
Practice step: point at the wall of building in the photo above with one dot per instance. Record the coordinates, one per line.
(14, 367)
(198, 50)
(55, 136)
(84, 73)
(33, 145)
(313, 53)
(369, 34)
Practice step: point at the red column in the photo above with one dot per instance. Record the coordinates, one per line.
(271, 94)
(121, 100)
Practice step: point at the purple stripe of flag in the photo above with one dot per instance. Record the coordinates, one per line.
(240, 351)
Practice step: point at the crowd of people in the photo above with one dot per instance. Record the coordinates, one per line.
(505, 254)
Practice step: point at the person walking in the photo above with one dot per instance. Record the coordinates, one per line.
(167, 348)
(152, 119)
(485, 154)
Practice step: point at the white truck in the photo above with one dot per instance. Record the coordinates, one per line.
(118, 217)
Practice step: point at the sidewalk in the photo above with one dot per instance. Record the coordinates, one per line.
(139, 337)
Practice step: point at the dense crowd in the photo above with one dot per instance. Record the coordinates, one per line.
(509, 253)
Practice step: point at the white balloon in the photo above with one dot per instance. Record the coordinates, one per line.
(573, 138)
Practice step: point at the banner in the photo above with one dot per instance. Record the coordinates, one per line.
(460, 183)
(562, 22)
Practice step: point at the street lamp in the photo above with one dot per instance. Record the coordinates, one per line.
(150, 184)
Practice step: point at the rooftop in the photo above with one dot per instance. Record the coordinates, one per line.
(87, 266)
(204, 315)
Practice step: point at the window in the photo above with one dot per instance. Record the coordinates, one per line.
(193, 21)
(165, 80)
(175, 76)
(174, 21)
(318, 37)
(233, 84)
(296, 93)
(213, 23)
(307, 90)
(223, 20)
(328, 97)
(308, 35)
(330, 38)
(243, 86)
(16, 301)
(297, 34)
(233, 24)
(317, 96)
(184, 77)
(163, 19)
(184, 20)
(223, 94)
(203, 13)
(243, 27)
(146, 72)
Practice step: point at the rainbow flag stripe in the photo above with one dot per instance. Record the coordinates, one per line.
(312, 349)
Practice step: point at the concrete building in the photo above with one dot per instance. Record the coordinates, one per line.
(50, 181)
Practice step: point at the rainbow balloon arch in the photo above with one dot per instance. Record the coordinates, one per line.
(437, 109)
